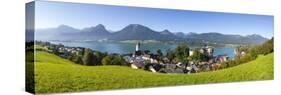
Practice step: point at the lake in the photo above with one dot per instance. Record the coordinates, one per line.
(123, 48)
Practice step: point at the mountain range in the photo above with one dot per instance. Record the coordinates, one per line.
(141, 32)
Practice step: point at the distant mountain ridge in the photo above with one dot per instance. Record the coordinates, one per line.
(227, 38)
(98, 30)
(140, 32)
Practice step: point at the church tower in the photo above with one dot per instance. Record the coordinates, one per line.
(138, 46)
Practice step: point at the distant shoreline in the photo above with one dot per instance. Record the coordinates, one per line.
(152, 42)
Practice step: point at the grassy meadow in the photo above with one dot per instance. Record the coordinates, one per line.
(54, 74)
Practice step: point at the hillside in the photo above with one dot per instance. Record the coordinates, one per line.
(54, 74)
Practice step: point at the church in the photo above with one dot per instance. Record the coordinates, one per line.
(138, 51)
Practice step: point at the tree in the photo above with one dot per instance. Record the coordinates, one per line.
(75, 58)
(254, 51)
(197, 56)
(113, 60)
(99, 56)
(88, 57)
(117, 60)
(267, 47)
(182, 53)
(170, 55)
(106, 60)
(159, 52)
(78, 60)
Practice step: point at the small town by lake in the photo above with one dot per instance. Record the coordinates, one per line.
(124, 48)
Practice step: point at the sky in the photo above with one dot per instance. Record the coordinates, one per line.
(114, 18)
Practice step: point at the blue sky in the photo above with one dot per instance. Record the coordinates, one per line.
(53, 14)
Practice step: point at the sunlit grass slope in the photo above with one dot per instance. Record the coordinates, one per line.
(54, 74)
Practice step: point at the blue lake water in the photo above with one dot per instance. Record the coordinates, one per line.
(124, 48)
(227, 51)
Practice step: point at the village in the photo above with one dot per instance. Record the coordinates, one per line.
(60, 50)
(143, 59)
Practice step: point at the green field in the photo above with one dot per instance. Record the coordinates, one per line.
(54, 74)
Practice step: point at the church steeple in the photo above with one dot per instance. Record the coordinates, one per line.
(138, 46)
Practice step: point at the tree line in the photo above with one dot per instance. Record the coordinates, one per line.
(94, 58)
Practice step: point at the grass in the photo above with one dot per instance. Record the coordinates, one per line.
(54, 74)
